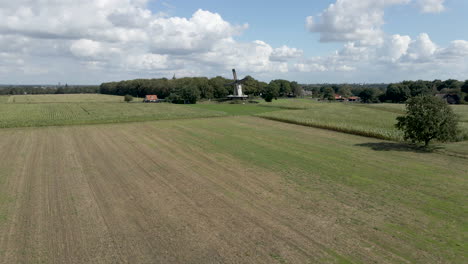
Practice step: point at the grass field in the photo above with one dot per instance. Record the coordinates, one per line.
(57, 114)
(4, 99)
(373, 120)
(292, 103)
(349, 118)
(64, 98)
(79, 109)
(225, 190)
(237, 109)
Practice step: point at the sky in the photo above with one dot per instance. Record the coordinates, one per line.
(314, 41)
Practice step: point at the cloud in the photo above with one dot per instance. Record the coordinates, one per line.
(431, 6)
(350, 20)
(359, 25)
(457, 49)
(87, 48)
(198, 34)
(126, 36)
(394, 48)
(285, 53)
(398, 53)
(422, 49)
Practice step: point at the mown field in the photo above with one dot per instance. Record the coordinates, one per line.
(225, 190)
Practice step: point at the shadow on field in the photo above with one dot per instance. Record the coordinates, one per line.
(391, 146)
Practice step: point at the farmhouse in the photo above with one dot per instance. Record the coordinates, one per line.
(339, 98)
(354, 99)
(151, 99)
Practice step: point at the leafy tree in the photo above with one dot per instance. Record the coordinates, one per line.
(271, 91)
(420, 88)
(427, 118)
(284, 87)
(203, 85)
(344, 91)
(128, 98)
(328, 93)
(370, 95)
(453, 84)
(189, 94)
(464, 87)
(296, 89)
(220, 90)
(397, 93)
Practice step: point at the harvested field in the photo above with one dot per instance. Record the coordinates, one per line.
(225, 190)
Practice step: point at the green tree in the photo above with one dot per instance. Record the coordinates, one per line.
(344, 91)
(420, 88)
(296, 89)
(189, 94)
(128, 98)
(369, 95)
(427, 118)
(397, 93)
(271, 91)
(464, 87)
(328, 93)
(220, 90)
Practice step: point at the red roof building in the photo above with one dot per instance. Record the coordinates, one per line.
(151, 98)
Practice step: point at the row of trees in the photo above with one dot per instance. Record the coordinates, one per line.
(189, 90)
(367, 93)
(34, 89)
(400, 92)
(395, 92)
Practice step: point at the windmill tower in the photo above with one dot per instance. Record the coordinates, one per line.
(237, 85)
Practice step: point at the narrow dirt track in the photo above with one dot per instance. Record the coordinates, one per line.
(131, 194)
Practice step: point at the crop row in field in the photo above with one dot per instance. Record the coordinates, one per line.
(371, 120)
(52, 114)
(63, 98)
(343, 118)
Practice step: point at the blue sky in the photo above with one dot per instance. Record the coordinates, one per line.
(307, 41)
(283, 23)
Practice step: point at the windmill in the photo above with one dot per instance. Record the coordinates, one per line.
(237, 84)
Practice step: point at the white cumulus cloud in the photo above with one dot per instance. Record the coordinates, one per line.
(431, 6)
(351, 20)
(126, 36)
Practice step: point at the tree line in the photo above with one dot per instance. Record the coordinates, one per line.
(34, 89)
(191, 89)
(394, 92)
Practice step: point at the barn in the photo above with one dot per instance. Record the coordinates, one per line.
(151, 98)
